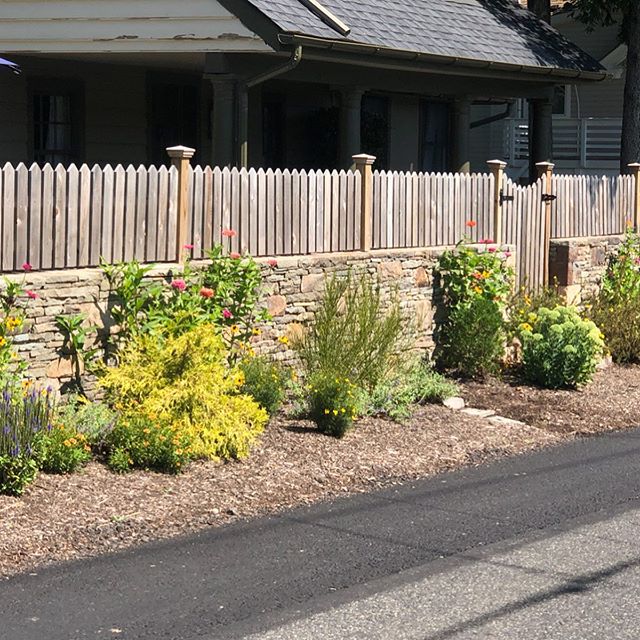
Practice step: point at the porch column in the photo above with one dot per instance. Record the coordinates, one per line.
(350, 123)
(460, 154)
(540, 134)
(243, 126)
(223, 122)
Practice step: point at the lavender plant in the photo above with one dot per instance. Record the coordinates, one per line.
(23, 415)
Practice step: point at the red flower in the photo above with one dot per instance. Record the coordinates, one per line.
(272, 263)
(180, 285)
(229, 233)
(188, 247)
(31, 294)
(227, 314)
(27, 267)
(205, 292)
(234, 255)
(491, 249)
(471, 224)
(486, 241)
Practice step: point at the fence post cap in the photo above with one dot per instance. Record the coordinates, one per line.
(364, 158)
(634, 165)
(181, 152)
(498, 164)
(546, 165)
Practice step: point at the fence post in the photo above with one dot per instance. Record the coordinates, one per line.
(180, 159)
(497, 169)
(364, 164)
(635, 170)
(545, 170)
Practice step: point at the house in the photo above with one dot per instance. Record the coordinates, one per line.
(275, 83)
(587, 118)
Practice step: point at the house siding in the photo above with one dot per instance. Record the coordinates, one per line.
(114, 122)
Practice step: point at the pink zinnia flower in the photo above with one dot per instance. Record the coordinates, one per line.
(31, 294)
(229, 233)
(272, 263)
(180, 285)
(507, 254)
(205, 292)
(27, 267)
(491, 249)
(234, 255)
(486, 241)
(188, 247)
(227, 314)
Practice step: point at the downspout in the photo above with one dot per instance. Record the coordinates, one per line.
(243, 100)
(495, 118)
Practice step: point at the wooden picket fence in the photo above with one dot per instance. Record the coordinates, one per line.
(67, 217)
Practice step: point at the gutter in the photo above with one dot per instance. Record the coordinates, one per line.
(437, 59)
(289, 65)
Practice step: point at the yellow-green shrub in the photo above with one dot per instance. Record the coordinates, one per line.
(186, 382)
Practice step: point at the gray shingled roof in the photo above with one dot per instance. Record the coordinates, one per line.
(488, 30)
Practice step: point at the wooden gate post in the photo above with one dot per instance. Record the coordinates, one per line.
(497, 169)
(545, 170)
(364, 164)
(635, 171)
(180, 159)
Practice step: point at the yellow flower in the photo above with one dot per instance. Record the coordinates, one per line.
(234, 329)
(525, 326)
(343, 410)
(283, 340)
(327, 412)
(477, 289)
(335, 412)
(146, 431)
(256, 332)
(2, 341)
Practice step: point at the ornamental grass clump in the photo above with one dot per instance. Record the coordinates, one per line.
(24, 413)
(616, 307)
(560, 349)
(475, 285)
(355, 333)
(184, 383)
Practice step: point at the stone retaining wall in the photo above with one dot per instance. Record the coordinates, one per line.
(290, 293)
(578, 264)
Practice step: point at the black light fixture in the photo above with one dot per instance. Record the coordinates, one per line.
(10, 65)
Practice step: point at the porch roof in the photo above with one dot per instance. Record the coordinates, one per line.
(497, 33)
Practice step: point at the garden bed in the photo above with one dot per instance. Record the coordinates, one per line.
(95, 511)
(611, 402)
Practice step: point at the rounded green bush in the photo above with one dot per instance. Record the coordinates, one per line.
(561, 349)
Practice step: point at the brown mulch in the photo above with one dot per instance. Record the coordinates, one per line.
(612, 402)
(95, 511)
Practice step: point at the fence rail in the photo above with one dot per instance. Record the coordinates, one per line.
(65, 217)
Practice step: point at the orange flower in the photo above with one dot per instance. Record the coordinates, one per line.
(471, 224)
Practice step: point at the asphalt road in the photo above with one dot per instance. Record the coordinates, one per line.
(539, 546)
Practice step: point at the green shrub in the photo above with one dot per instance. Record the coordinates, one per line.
(23, 415)
(225, 294)
(475, 286)
(265, 381)
(524, 305)
(561, 349)
(355, 333)
(141, 442)
(186, 383)
(334, 403)
(17, 472)
(616, 307)
(94, 420)
(416, 384)
(61, 449)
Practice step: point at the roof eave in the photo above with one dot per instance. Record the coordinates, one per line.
(539, 73)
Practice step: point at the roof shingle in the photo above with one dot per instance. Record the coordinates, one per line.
(488, 30)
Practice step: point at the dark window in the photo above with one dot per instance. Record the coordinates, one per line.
(56, 122)
(561, 101)
(174, 118)
(434, 136)
(375, 129)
